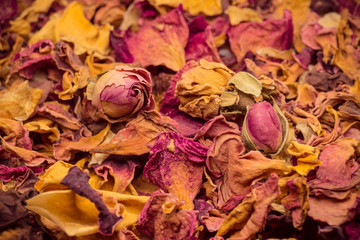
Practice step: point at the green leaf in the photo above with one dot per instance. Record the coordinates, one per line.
(229, 99)
(247, 83)
(285, 127)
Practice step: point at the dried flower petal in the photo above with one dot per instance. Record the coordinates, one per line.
(173, 161)
(251, 36)
(161, 218)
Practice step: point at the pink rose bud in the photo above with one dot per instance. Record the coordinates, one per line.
(121, 93)
(262, 128)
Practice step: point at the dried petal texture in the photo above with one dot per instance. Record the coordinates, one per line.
(349, 110)
(162, 218)
(307, 157)
(251, 168)
(16, 221)
(300, 116)
(78, 216)
(125, 234)
(351, 228)
(225, 145)
(97, 66)
(15, 132)
(118, 43)
(19, 101)
(322, 35)
(346, 57)
(110, 12)
(30, 15)
(160, 41)
(10, 10)
(76, 74)
(11, 207)
(146, 9)
(215, 127)
(310, 31)
(250, 215)
(251, 36)
(43, 126)
(212, 223)
(7, 56)
(204, 208)
(79, 183)
(135, 137)
(200, 87)
(300, 10)
(59, 114)
(238, 15)
(7, 173)
(143, 186)
(332, 211)
(122, 173)
(304, 57)
(176, 165)
(196, 7)
(297, 199)
(339, 170)
(226, 142)
(72, 26)
(121, 93)
(32, 58)
(202, 45)
(306, 95)
(334, 98)
(51, 178)
(30, 158)
(329, 136)
(68, 144)
(186, 125)
(317, 36)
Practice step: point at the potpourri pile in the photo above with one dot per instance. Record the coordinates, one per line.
(181, 119)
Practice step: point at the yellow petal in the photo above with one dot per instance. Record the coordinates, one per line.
(51, 178)
(238, 15)
(77, 216)
(306, 95)
(22, 24)
(47, 31)
(44, 126)
(74, 214)
(97, 66)
(131, 17)
(62, 150)
(195, 7)
(200, 87)
(330, 20)
(73, 27)
(19, 101)
(307, 157)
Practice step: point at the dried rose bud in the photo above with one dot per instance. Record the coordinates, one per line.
(262, 129)
(122, 92)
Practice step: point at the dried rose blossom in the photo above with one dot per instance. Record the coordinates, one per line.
(121, 93)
